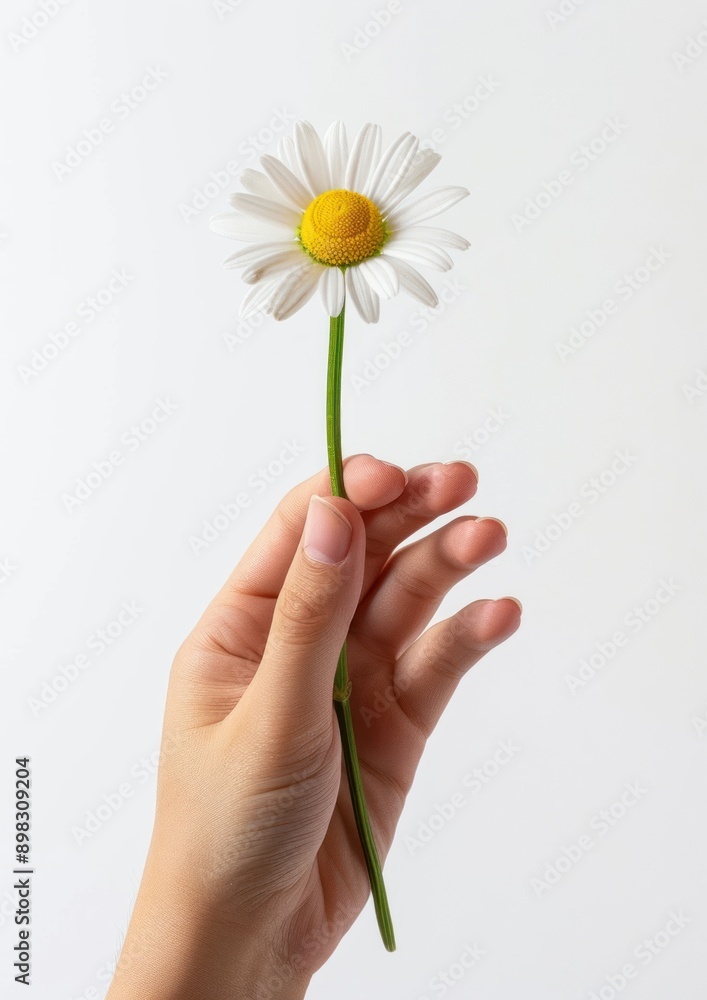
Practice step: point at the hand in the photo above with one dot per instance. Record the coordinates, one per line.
(255, 870)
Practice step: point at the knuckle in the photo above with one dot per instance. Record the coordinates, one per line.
(447, 666)
(286, 512)
(377, 547)
(416, 586)
(451, 653)
(416, 719)
(305, 608)
(289, 510)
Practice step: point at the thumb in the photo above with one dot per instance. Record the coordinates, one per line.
(291, 692)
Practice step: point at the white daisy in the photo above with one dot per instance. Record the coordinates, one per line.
(323, 216)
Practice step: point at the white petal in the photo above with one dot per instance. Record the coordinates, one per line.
(430, 234)
(253, 254)
(433, 203)
(286, 152)
(294, 290)
(256, 299)
(274, 263)
(337, 150)
(256, 182)
(412, 282)
(364, 153)
(237, 226)
(381, 276)
(288, 186)
(311, 158)
(264, 208)
(332, 288)
(426, 161)
(392, 167)
(418, 253)
(366, 301)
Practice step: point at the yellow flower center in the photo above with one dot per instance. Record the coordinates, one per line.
(342, 227)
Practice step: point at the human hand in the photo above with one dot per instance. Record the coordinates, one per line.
(255, 870)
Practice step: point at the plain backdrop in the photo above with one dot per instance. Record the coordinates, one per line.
(568, 362)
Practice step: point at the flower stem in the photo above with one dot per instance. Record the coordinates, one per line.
(342, 684)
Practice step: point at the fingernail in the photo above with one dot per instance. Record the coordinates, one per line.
(514, 599)
(398, 468)
(327, 533)
(459, 461)
(496, 519)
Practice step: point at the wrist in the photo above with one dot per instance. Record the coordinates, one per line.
(175, 949)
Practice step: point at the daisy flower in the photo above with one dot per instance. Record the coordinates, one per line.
(323, 216)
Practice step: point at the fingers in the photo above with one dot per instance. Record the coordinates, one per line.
(289, 699)
(369, 483)
(432, 489)
(236, 622)
(428, 672)
(395, 507)
(394, 718)
(417, 578)
(237, 619)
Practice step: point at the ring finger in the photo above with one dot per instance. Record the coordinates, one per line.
(417, 578)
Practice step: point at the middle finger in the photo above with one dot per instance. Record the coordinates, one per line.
(432, 489)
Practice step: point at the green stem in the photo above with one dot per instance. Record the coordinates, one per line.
(342, 684)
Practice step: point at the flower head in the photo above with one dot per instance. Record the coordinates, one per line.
(322, 216)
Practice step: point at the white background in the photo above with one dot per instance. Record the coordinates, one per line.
(242, 391)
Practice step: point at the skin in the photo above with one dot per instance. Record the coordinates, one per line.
(255, 871)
